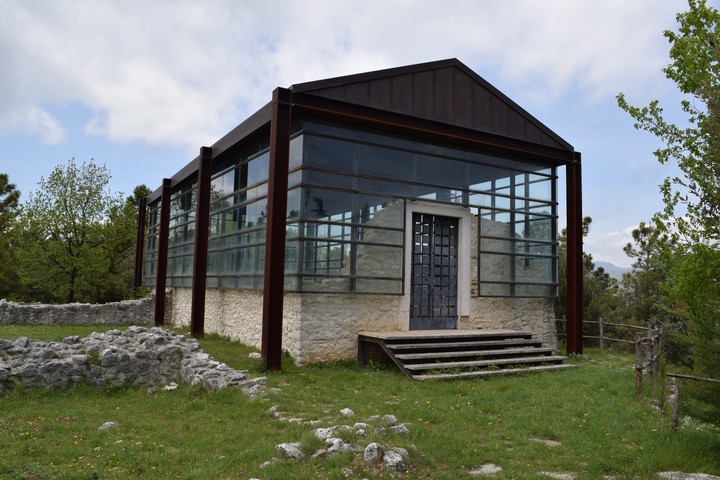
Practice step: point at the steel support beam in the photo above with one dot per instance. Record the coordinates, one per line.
(200, 253)
(140, 244)
(163, 234)
(575, 274)
(274, 274)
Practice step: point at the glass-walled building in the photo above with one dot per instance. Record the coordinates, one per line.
(417, 198)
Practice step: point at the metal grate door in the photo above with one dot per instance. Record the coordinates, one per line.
(433, 302)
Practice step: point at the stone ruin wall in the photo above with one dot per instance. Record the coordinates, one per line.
(126, 312)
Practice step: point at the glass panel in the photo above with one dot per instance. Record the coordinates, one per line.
(317, 203)
(328, 179)
(541, 190)
(293, 203)
(441, 171)
(377, 235)
(494, 289)
(329, 153)
(483, 176)
(533, 269)
(222, 185)
(534, 227)
(497, 246)
(325, 284)
(383, 186)
(493, 225)
(296, 150)
(376, 261)
(386, 162)
(496, 267)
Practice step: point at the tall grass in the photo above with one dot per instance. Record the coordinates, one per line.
(601, 425)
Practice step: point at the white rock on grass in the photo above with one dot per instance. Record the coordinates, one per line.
(486, 469)
(347, 412)
(373, 453)
(107, 425)
(686, 476)
(394, 461)
(288, 450)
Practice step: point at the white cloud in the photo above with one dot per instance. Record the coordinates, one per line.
(185, 72)
(608, 247)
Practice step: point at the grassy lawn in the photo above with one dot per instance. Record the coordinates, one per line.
(601, 425)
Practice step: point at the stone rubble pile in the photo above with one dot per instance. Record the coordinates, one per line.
(387, 458)
(138, 356)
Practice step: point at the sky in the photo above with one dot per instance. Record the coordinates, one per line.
(140, 86)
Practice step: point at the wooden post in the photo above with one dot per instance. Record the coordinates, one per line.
(200, 253)
(675, 402)
(274, 274)
(600, 324)
(638, 363)
(162, 252)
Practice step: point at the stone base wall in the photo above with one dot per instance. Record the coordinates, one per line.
(324, 327)
(127, 312)
(316, 327)
(535, 315)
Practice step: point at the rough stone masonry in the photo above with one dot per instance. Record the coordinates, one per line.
(138, 356)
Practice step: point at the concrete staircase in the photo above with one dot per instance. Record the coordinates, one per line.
(452, 354)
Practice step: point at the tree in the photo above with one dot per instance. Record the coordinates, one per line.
(642, 287)
(692, 202)
(695, 148)
(65, 228)
(9, 199)
(599, 289)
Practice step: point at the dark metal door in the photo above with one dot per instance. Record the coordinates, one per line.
(433, 302)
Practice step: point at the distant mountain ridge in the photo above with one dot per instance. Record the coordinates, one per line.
(613, 270)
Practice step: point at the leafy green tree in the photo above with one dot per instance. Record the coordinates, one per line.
(599, 289)
(642, 287)
(692, 200)
(9, 199)
(62, 255)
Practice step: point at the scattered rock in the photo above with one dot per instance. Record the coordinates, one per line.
(373, 453)
(347, 412)
(170, 386)
(686, 476)
(151, 391)
(547, 441)
(107, 425)
(400, 429)
(288, 450)
(389, 420)
(324, 433)
(559, 476)
(394, 461)
(255, 356)
(486, 469)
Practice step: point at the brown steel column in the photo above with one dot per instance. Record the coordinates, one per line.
(164, 232)
(140, 244)
(200, 253)
(575, 274)
(274, 279)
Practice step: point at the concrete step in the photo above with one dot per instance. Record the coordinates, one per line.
(491, 373)
(472, 344)
(474, 353)
(485, 363)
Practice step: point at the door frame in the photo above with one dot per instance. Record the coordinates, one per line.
(465, 219)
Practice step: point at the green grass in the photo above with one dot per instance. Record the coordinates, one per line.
(593, 411)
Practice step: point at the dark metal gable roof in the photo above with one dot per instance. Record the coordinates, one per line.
(445, 91)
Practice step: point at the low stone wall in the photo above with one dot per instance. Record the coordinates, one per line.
(137, 356)
(127, 312)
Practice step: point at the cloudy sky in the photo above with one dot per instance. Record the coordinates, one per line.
(141, 85)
